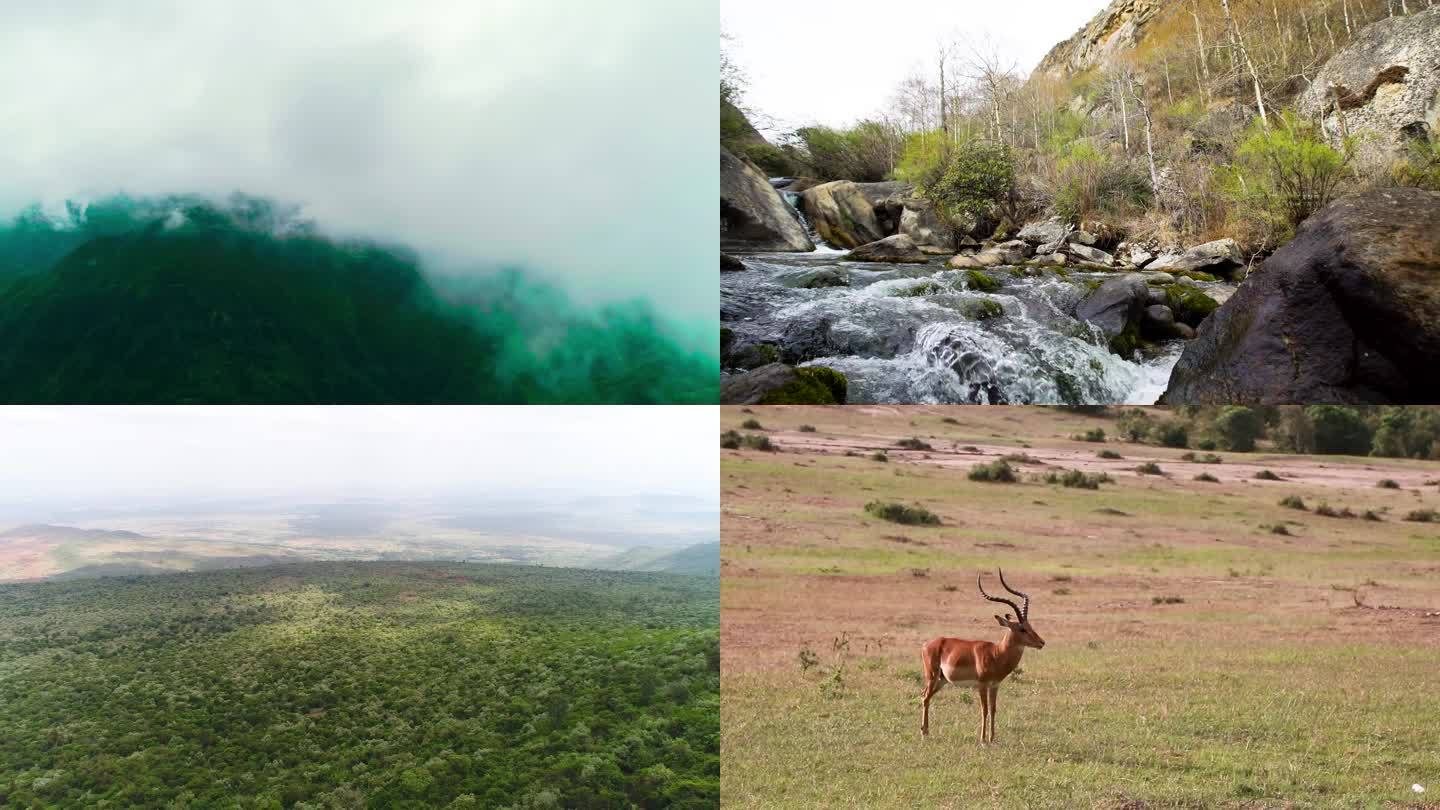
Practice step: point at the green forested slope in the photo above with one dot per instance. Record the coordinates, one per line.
(361, 684)
(186, 300)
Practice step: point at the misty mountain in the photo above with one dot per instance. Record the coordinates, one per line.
(182, 299)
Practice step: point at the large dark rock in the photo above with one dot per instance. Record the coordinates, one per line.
(1116, 308)
(897, 249)
(730, 264)
(1349, 311)
(779, 384)
(753, 216)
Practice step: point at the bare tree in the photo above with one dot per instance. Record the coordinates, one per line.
(1238, 43)
(1137, 92)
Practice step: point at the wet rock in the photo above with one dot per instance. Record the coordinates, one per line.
(1348, 311)
(815, 279)
(753, 216)
(1190, 304)
(1115, 307)
(730, 264)
(897, 249)
(963, 262)
(1158, 322)
(779, 384)
(842, 214)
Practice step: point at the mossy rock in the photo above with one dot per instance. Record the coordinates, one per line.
(927, 288)
(981, 309)
(1127, 342)
(813, 385)
(1190, 305)
(1196, 275)
(980, 282)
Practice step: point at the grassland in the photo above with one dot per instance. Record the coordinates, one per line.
(1195, 656)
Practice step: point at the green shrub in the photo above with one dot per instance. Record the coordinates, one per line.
(1294, 502)
(1149, 468)
(913, 444)
(1090, 183)
(879, 455)
(973, 178)
(731, 440)
(1077, 479)
(1279, 528)
(1208, 478)
(1109, 454)
(1167, 600)
(1266, 475)
(1387, 483)
(900, 513)
(1238, 427)
(1325, 510)
(1420, 168)
(1172, 433)
(999, 471)
(1282, 174)
(1423, 516)
(1092, 435)
(1338, 429)
(806, 428)
(863, 153)
(813, 385)
(752, 424)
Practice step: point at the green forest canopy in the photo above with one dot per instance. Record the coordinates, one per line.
(182, 299)
(362, 684)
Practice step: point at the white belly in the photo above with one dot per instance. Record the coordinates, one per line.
(958, 677)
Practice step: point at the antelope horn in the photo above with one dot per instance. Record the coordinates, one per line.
(1012, 605)
(1025, 611)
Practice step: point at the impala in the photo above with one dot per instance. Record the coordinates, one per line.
(981, 664)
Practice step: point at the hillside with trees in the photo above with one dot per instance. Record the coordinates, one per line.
(402, 685)
(1192, 140)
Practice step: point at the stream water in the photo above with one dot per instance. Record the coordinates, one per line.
(918, 334)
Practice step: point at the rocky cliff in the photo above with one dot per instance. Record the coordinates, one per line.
(1115, 30)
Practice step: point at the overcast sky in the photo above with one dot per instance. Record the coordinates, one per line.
(551, 132)
(107, 453)
(836, 61)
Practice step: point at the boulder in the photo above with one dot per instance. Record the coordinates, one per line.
(963, 262)
(730, 264)
(1116, 307)
(1386, 85)
(1051, 247)
(1091, 254)
(841, 214)
(897, 249)
(815, 278)
(926, 228)
(753, 215)
(1347, 312)
(1158, 322)
(1081, 238)
(1221, 257)
(1191, 305)
(779, 384)
(1155, 295)
(1040, 233)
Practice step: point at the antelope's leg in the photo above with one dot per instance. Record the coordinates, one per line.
(932, 685)
(994, 696)
(984, 708)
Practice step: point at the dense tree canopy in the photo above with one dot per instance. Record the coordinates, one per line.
(362, 684)
(181, 299)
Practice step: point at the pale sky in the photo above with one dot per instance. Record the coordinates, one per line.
(834, 62)
(207, 452)
(543, 132)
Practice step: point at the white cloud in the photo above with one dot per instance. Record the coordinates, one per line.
(561, 135)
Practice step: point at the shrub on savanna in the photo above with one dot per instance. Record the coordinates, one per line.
(1207, 478)
(1092, 435)
(1387, 483)
(1149, 468)
(1281, 175)
(752, 424)
(999, 471)
(1237, 427)
(1293, 502)
(735, 440)
(806, 428)
(1266, 475)
(1423, 516)
(1077, 479)
(1338, 429)
(914, 443)
(900, 513)
(1111, 454)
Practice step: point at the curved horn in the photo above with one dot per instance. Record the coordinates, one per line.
(1025, 611)
(1013, 606)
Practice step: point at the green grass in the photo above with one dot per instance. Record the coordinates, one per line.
(1167, 722)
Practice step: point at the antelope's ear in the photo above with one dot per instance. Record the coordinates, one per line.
(1001, 620)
